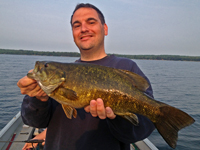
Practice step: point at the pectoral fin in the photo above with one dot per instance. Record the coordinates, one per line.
(69, 111)
(69, 94)
(132, 118)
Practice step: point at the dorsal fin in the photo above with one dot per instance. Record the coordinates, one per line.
(138, 81)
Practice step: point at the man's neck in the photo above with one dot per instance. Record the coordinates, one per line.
(91, 55)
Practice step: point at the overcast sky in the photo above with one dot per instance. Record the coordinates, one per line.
(134, 26)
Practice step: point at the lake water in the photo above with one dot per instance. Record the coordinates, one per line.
(176, 83)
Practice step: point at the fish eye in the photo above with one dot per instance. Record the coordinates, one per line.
(46, 65)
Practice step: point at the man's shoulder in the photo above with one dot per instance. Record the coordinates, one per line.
(122, 62)
(122, 59)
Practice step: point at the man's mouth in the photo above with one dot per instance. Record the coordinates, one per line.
(85, 37)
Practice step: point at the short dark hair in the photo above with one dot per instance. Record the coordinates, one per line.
(87, 5)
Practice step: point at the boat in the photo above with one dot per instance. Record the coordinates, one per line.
(14, 135)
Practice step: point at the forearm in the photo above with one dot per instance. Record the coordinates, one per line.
(35, 112)
(126, 132)
(41, 136)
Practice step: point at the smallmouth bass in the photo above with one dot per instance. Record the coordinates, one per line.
(74, 85)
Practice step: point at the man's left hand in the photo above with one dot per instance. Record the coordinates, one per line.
(96, 108)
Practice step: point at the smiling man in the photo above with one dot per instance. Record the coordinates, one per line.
(96, 127)
(89, 32)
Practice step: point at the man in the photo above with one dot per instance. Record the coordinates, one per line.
(96, 127)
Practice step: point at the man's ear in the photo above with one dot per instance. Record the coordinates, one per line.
(105, 29)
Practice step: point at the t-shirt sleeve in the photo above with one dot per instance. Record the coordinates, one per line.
(35, 112)
(126, 132)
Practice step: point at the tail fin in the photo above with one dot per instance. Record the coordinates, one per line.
(170, 122)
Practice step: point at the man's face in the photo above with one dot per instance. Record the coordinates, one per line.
(88, 31)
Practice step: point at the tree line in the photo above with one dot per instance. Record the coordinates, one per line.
(76, 54)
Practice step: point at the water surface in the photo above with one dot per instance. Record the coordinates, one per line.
(176, 83)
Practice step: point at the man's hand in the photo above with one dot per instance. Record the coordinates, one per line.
(31, 88)
(96, 108)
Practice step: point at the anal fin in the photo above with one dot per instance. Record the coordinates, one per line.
(132, 118)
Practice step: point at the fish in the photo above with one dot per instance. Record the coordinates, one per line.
(74, 85)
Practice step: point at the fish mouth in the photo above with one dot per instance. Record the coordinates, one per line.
(31, 75)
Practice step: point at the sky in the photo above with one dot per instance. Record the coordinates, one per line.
(135, 27)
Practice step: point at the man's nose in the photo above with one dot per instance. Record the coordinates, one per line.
(84, 28)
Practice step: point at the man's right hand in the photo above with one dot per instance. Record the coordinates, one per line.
(31, 88)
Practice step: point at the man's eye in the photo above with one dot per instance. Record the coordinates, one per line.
(92, 22)
(76, 26)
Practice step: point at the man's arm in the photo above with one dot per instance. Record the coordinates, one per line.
(36, 113)
(35, 108)
(122, 129)
(126, 132)
(30, 87)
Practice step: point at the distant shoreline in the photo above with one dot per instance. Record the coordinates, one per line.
(75, 54)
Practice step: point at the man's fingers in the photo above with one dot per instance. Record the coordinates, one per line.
(31, 88)
(96, 108)
(25, 81)
(87, 108)
(26, 90)
(110, 114)
(93, 108)
(101, 109)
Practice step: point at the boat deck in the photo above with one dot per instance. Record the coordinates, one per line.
(14, 131)
(143, 145)
(24, 133)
